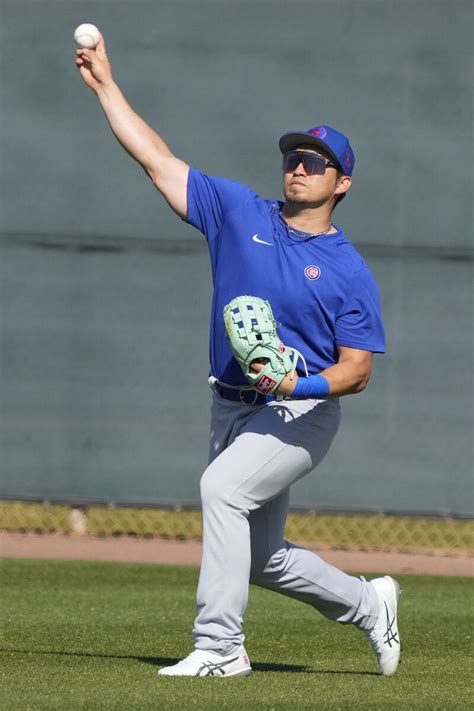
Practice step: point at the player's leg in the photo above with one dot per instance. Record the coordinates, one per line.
(212, 658)
(301, 574)
(294, 571)
(269, 448)
(259, 453)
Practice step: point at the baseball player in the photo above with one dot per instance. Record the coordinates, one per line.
(326, 304)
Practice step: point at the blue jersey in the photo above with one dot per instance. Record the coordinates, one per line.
(321, 291)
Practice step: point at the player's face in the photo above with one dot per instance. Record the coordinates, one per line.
(301, 187)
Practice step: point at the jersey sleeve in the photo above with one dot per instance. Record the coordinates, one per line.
(210, 199)
(360, 324)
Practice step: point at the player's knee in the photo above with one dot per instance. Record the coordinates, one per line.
(216, 495)
(208, 487)
(212, 490)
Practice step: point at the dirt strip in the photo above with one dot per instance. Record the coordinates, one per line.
(133, 550)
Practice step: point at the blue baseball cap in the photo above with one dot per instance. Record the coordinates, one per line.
(325, 137)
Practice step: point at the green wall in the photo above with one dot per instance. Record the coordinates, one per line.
(101, 285)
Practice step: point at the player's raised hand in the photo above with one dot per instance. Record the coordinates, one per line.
(94, 65)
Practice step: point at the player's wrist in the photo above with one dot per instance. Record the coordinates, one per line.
(291, 383)
(312, 387)
(106, 87)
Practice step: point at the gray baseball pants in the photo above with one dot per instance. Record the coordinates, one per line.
(256, 453)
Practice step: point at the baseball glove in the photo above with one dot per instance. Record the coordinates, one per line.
(252, 333)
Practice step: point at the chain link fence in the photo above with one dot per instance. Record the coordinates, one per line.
(382, 532)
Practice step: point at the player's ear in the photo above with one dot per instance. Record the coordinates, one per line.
(343, 184)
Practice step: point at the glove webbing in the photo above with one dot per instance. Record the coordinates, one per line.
(252, 322)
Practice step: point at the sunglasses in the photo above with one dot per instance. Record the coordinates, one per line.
(313, 163)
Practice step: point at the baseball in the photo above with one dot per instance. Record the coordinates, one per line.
(87, 35)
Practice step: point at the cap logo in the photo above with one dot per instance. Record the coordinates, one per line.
(318, 131)
(312, 272)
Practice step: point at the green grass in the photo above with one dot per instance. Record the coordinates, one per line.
(90, 635)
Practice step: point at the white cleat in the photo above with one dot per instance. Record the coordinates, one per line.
(202, 663)
(384, 637)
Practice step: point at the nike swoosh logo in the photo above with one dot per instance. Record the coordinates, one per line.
(261, 241)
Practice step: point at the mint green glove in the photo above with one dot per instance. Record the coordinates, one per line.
(252, 334)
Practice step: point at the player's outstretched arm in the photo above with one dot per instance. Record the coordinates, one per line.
(168, 173)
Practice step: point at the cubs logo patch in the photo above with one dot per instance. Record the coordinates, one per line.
(319, 132)
(312, 272)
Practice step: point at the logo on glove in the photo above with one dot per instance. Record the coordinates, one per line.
(265, 384)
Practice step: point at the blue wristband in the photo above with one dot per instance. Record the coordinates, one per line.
(314, 386)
